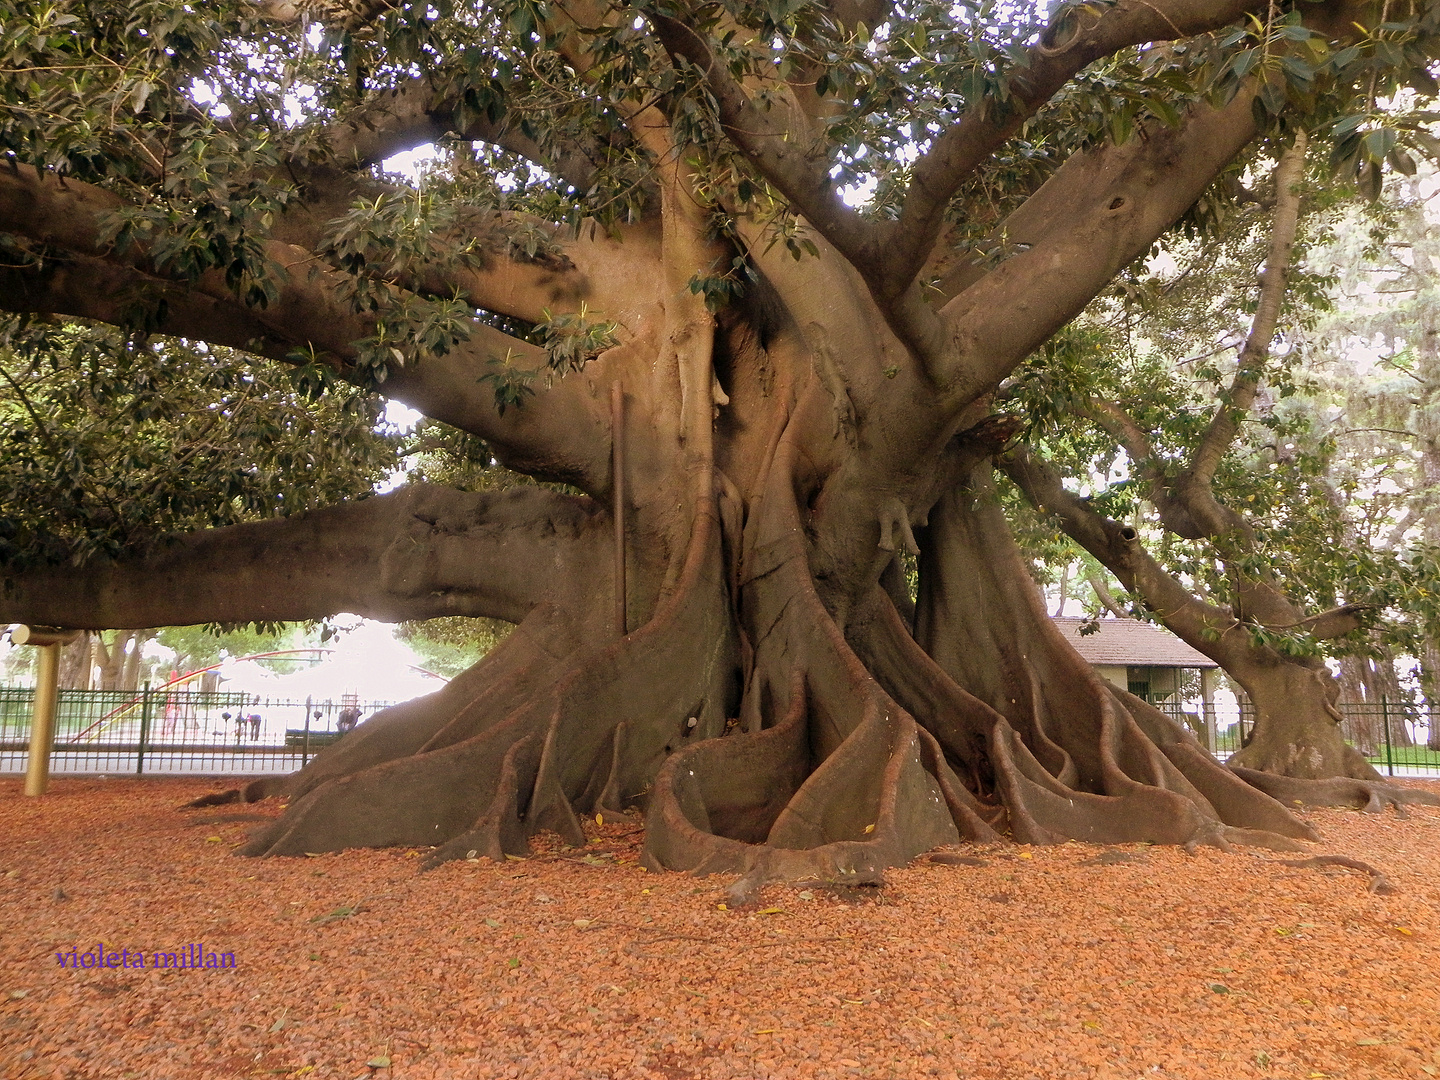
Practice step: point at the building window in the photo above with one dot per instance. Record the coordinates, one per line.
(1138, 682)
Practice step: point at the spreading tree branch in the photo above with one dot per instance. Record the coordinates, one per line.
(1205, 627)
(419, 553)
(1118, 549)
(1123, 429)
(416, 113)
(1337, 622)
(1100, 211)
(958, 151)
(1105, 596)
(1226, 423)
(890, 254)
(1187, 503)
(561, 433)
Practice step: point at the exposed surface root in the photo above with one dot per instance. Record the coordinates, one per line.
(1367, 796)
(1018, 711)
(841, 783)
(1115, 857)
(510, 677)
(223, 819)
(499, 759)
(267, 787)
(215, 798)
(1016, 734)
(1379, 883)
(949, 858)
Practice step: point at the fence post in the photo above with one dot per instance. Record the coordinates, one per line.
(1385, 716)
(144, 730)
(305, 755)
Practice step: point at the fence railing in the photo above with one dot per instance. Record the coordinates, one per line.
(1399, 739)
(224, 732)
(177, 731)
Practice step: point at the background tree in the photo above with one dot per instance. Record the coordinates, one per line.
(1249, 615)
(633, 272)
(451, 644)
(112, 442)
(1376, 352)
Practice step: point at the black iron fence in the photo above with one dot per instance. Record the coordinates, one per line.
(224, 732)
(1399, 739)
(177, 731)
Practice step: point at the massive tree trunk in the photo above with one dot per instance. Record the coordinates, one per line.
(751, 686)
(768, 707)
(766, 737)
(771, 711)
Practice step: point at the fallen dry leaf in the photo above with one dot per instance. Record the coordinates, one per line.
(1080, 965)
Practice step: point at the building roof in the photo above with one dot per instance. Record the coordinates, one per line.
(1130, 641)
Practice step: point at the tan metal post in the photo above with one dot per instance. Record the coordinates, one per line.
(42, 715)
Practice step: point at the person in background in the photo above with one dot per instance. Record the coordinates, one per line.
(348, 718)
(254, 727)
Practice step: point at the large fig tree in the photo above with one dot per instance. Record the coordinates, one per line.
(743, 277)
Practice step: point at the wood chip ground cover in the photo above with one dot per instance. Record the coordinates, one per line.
(1043, 962)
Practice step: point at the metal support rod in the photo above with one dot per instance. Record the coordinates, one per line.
(42, 719)
(305, 756)
(144, 731)
(48, 640)
(617, 483)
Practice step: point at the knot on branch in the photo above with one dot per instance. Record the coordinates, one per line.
(893, 513)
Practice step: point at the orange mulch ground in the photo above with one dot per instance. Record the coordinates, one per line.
(1040, 963)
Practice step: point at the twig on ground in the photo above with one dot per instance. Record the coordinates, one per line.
(1379, 883)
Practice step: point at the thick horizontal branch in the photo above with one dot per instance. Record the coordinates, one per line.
(561, 432)
(574, 265)
(51, 212)
(419, 553)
